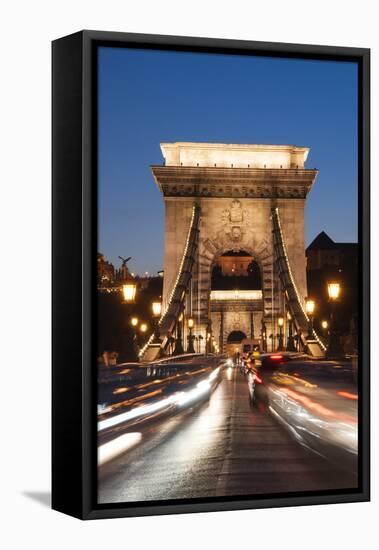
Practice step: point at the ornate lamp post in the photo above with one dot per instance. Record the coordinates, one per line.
(157, 309)
(272, 338)
(171, 341)
(334, 350)
(190, 323)
(290, 339)
(196, 343)
(280, 340)
(324, 326)
(264, 336)
(208, 343)
(134, 323)
(128, 292)
(200, 338)
(310, 308)
(143, 329)
(214, 345)
(178, 350)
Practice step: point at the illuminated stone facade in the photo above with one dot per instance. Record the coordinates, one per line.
(236, 186)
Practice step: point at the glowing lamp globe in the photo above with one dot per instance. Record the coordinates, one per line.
(157, 308)
(129, 292)
(310, 306)
(334, 290)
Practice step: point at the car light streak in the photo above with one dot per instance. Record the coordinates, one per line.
(179, 399)
(113, 448)
(135, 413)
(120, 390)
(214, 374)
(187, 397)
(317, 407)
(348, 395)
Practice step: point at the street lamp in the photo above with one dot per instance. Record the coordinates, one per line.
(134, 323)
(143, 328)
(190, 323)
(129, 292)
(310, 308)
(324, 326)
(157, 309)
(334, 350)
(280, 325)
(290, 339)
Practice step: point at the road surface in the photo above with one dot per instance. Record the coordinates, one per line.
(220, 448)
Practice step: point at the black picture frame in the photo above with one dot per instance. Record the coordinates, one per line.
(74, 205)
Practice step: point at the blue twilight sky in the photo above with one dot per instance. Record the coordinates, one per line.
(147, 97)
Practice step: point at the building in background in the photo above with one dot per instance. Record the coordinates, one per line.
(328, 260)
(324, 253)
(105, 271)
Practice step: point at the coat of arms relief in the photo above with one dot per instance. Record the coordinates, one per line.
(234, 230)
(235, 222)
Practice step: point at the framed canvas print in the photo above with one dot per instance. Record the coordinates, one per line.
(210, 274)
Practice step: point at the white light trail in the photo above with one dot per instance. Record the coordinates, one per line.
(178, 399)
(135, 413)
(113, 448)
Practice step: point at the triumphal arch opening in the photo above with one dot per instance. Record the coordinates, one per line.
(225, 261)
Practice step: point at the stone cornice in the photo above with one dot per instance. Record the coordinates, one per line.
(184, 181)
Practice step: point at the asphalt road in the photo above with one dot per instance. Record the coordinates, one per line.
(220, 448)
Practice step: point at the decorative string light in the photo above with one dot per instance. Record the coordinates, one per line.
(284, 248)
(194, 218)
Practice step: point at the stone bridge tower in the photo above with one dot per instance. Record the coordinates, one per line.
(236, 187)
